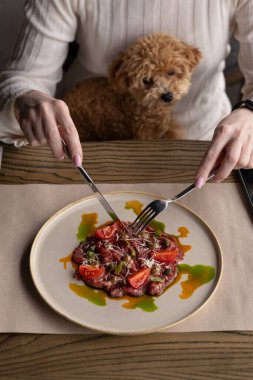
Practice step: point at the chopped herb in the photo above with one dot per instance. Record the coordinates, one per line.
(126, 259)
(156, 279)
(119, 267)
(132, 252)
(167, 242)
(90, 255)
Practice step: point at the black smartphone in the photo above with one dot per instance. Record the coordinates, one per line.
(246, 179)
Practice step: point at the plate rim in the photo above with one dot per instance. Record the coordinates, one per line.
(128, 333)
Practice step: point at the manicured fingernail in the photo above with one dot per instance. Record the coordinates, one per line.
(199, 182)
(77, 160)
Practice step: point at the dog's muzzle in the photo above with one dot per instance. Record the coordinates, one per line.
(167, 97)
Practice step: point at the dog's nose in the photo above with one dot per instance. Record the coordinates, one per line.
(167, 97)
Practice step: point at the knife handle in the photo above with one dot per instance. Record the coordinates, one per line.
(81, 170)
(86, 176)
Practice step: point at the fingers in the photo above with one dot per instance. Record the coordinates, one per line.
(237, 156)
(53, 136)
(230, 160)
(245, 159)
(231, 147)
(69, 133)
(40, 117)
(212, 157)
(27, 129)
(39, 134)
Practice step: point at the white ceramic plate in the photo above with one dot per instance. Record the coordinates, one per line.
(58, 237)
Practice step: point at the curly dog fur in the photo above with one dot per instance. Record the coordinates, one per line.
(135, 100)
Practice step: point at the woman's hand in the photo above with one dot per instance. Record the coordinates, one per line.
(45, 120)
(231, 147)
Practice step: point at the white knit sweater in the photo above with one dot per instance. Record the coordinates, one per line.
(104, 27)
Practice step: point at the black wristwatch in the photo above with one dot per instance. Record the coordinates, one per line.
(244, 104)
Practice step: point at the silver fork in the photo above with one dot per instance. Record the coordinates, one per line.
(154, 208)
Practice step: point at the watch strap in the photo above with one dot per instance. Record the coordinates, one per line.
(244, 104)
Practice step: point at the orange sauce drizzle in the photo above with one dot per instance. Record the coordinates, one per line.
(197, 275)
(98, 297)
(68, 259)
(136, 206)
(183, 233)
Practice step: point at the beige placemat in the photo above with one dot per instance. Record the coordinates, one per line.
(24, 209)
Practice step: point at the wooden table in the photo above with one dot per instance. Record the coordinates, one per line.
(212, 355)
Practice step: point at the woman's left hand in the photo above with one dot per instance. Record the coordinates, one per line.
(231, 147)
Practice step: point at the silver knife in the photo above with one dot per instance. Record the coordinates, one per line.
(94, 188)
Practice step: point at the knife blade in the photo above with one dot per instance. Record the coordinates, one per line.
(94, 188)
(99, 195)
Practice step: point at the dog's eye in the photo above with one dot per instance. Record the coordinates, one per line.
(171, 73)
(148, 81)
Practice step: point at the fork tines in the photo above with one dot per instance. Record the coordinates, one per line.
(145, 217)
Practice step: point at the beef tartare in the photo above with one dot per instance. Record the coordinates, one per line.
(120, 263)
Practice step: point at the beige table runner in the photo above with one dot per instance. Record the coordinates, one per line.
(24, 209)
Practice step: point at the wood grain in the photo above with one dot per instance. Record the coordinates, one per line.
(188, 356)
(112, 162)
(185, 356)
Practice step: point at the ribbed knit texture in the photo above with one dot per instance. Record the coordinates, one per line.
(104, 27)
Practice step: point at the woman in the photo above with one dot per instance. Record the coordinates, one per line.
(30, 113)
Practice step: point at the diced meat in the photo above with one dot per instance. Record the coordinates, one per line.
(155, 288)
(116, 291)
(123, 256)
(105, 254)
(134, 292)
(98, 283)
(78, 255)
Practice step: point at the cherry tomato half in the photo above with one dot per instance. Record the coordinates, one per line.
(139, 278)
(106, 232)
(166, 256)
(89, 273)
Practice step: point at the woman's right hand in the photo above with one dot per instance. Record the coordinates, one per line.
(45, 120)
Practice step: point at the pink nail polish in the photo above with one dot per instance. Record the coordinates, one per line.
(199, 182)
(77, 160)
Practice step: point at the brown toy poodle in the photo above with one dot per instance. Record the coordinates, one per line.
(135, 101)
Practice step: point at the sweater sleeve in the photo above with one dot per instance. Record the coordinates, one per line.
(244, 34)
(37, 61)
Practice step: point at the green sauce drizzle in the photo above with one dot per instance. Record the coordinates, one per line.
(198, 275)
(87, 226)
(98, 297)
(92, 295)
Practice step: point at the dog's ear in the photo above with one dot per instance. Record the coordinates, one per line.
(192, 54)
(117, 73)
